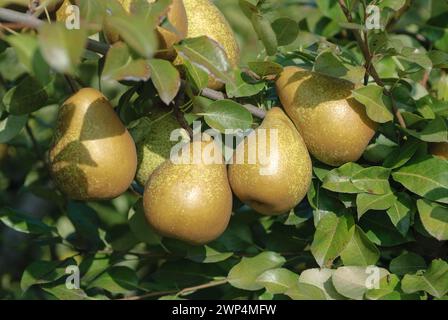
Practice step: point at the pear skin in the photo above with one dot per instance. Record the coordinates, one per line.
(278, 183)
(189, 201)
(93, 156)
(439, 149)
(205, 19)
(334, 126)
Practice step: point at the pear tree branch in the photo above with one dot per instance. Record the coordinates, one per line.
(370, 68)
(103, 48)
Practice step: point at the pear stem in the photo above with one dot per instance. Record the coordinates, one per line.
(370, 68)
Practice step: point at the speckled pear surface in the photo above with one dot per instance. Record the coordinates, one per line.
(155, 148)
(190, 202)
(334, 126)
(287, 168)
(205, 19)
(439, 149)
(93, 155)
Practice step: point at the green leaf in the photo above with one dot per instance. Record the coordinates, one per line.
(40, 272)
(61, 292)
(121, 65)
(407, 263)
(244, 86)
(366, 202)
(353, 282)
(402, 212)
(434, 280)
(208, 55)
(387, 290)
(61, 48)
(24, 223)
(227, 114)
(327, 62)
(140, 227)
(166, 79)
(339, 179)
(321, 278)
(11, 126)
(402, 155)
(117, 279)
(305, 291)
(278, 280)
(360, 251)
(137, 32)
(27, 97)
(244, 274)
(286, 30)
(434, 218)
(196, 75)
(427, 177)
(435, 131)
(332, 235)
(266, 34)
(322, 202)
(265, 68)
(206, 254)
(374, 180)
(378, 105)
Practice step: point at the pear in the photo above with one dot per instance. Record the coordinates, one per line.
(334, 126)
(205, 19)
(156, 146)
(176, 18)
(439, 149)
(93, 156)
(276, 184)
(190, 200)
(3, 152)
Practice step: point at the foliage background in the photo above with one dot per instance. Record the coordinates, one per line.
(389, 209)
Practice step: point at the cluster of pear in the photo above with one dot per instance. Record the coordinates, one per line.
(94, 156)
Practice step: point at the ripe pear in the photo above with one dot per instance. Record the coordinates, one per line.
(334, 126)
(205, 19)
(191, 200)
(176, 17)
(276, 184)
(439, 149)
(93, 156)
(156, 146)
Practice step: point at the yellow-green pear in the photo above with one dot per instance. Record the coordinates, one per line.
(334, 126)
(190, 200)
(93, 155)
(280, 176)
(156, 145)
(205, 19)
(439, 149)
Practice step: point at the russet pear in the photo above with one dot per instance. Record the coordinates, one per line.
(93, 155)
(439, 149)
(276, 184)
(189, 200)
(334, 126)
(205, 19)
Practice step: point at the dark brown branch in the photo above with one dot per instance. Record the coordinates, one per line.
(364, 47)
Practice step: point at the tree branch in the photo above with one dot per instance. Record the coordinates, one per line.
(364, 47)
(178, 293)
(102, 48)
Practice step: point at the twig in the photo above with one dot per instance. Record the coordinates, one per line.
(74, 87)
(364, 47)
(33, 22)
(178, 293)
